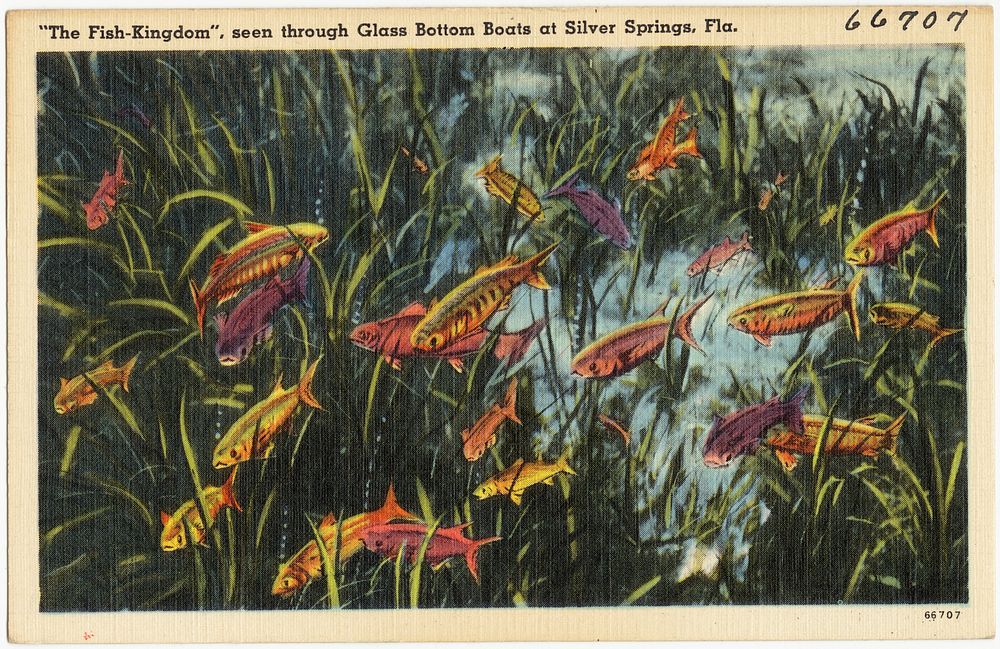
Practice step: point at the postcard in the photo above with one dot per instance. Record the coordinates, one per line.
(500, 324)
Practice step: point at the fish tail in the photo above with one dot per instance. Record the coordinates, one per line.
(305, 387)
(745, 240)
(852, 303)
(126, 371)
(892, 434)
(931, 227)
(563, 463)
(228, 495)
(942, 334)
(533, 263)
(682, 328)
(690, 144)
(470, 554)
(299, 281)
(793, 411)
(510, 401)
(199, 305)
(514, 346)
(489, 167)
(120, 168)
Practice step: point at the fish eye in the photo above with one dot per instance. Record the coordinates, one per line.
(434, 341)
(743, 320)
(868, 254)
(232, 453)
(378, 544)
(593, 366)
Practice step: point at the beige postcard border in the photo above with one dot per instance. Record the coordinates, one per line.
(757, 26)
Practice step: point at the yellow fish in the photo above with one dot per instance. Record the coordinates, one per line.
(843, 437)
(469, 305)
(899, 314)
(502, 184)
(174, 534)
(77, 392)
(307, 563)
(520, 475)
(254, 432)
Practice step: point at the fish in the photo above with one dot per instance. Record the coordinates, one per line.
(391, 338)
(717, 256)
(502, 184)
(253, 433)
(769, 192)
(898, 315)
(742, 431)
(798, 311)
(135, 112)
(174, 534)
(418, 165)
(520, 475)
(482, 435)
(843, 437)
(467, 306)
(389, 539)
(663, 151)
(626, 348)
(266, 250)
(77, 392)
(602, 215)
(828, 214)
(882, 241)
(307, 563)
(99, 206)
(615, 427)
(250, 322)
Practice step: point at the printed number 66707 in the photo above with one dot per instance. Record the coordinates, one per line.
(927, 21)
(941, 615)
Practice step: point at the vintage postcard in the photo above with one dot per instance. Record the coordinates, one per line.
(492, 324)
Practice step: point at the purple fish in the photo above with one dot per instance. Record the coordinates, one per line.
(250, 322)
(740, 432)
(602, 215)
(133, 111)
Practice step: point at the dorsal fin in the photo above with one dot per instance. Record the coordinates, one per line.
(328, 521)
(217, 263)
(415, 308)
(106, 365)
(253, 226)
(454, 532)
(277, 384)
(63, 382)
(434, 301)
(164, 518)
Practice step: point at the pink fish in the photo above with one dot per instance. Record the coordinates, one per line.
(388, 539)
(391, 338)
(719, 255)
(105, 198)
(882, 241)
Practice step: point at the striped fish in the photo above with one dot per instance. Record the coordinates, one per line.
(469, 305)
(843, 437)
(502, 184)
(267, 249)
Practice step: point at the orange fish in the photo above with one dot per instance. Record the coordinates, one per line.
(469, 305)
(790, 313)
(663, 151)
(843, 437)
(418, 165)
(899, 314)
(769, 192)
(482, 435)
(78, 392)
(174, 533)
(104, 199)
(504, 185)
(266, 250)
(307, 564)
(882, 241)
(616, 427)
(625, 349)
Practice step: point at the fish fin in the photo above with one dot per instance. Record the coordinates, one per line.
(551, 480)
(892, 434)
(220, 319)
(391, 509)
(164, 518)
(516, 496)
(563, 463)
(253, 226)
(489, 167)
(514, 346)
(504, 303)
(62, 382)
(535, 262)
(931, 227)
(745, 239)
(466, 432)
(299, 279)
(852, 303)
(473, 551)
(126, 371)
(414, 308)
(866, 420)
(763, 339)
(440, 564)
(199, 306)
(793, 411)
(788, 461)
(538, 280)
(328, 521)
(510, 401)
(106, 365)
(228, 495)
(690, 144)
(305, 387)
(433, 303)
(456, 364)
(682, 327)
(944, 333)
(393, 362)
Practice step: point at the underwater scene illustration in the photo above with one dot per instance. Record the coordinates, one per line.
(502, 328)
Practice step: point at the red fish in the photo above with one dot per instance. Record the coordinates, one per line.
(717, 256)
(482, 435)
(663, 150)
(625, 349)
(104, 199)
(391, 338)
(389, 539)
(882, 241)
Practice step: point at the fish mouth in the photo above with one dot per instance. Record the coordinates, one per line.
(228, 360)
(219, 464)
(60, 410)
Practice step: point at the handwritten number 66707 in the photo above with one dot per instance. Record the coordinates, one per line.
(906, 18)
